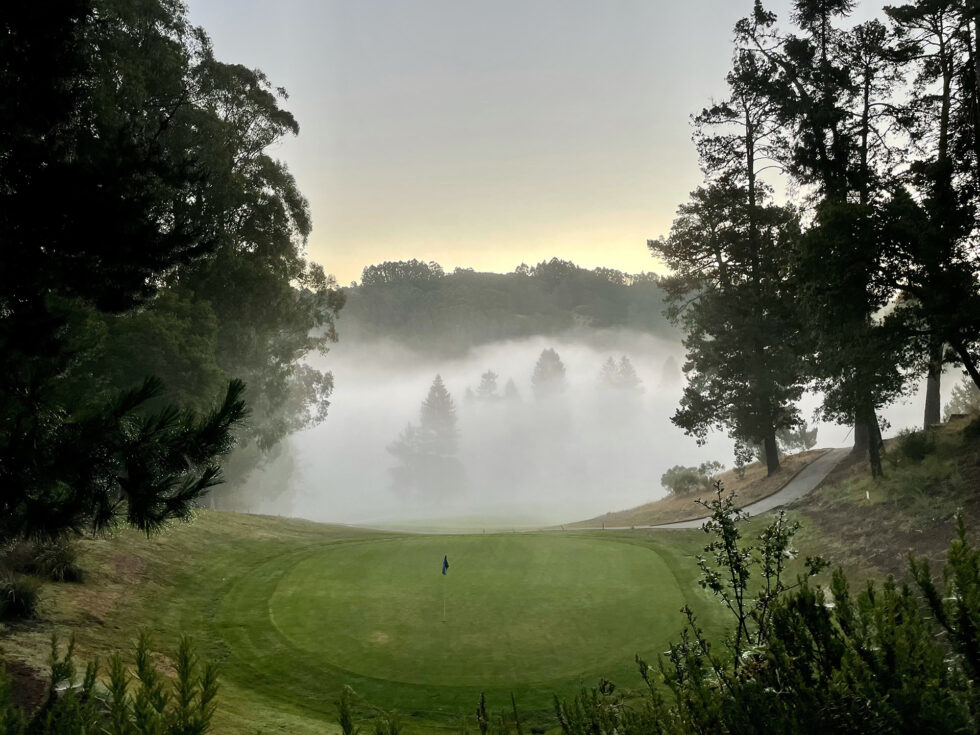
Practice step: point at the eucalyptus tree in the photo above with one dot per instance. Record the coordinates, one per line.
(100, 202)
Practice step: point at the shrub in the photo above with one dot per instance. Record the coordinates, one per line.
(19, 596)
(346, 715)
(387, 724)
(147, 704)
(803, 659)
(56, 560)
(682, 480)
(916, 445)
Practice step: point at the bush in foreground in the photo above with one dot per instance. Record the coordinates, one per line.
(145, 704)
(55, 559)
(19, 597)
(799, 658)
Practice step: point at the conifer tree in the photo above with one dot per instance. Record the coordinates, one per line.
(728, 250)
(548, 379)
(428, 468)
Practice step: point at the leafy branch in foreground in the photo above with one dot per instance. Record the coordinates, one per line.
(801, 658)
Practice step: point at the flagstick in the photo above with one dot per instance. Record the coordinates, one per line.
(444, 603)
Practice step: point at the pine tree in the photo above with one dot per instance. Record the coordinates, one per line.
(628, 380)
(487, 390)
(428, 467)
(548, 379)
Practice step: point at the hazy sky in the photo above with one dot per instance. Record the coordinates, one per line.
(484, 134)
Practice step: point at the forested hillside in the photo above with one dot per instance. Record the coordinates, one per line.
(421, 305)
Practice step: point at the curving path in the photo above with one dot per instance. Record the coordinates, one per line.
(805, 481)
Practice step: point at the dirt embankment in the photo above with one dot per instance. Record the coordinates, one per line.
(750, 486)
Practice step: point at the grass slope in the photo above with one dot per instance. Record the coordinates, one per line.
(750, 485)
(877, 522)
(294, 610)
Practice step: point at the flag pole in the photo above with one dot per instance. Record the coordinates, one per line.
(444, 593)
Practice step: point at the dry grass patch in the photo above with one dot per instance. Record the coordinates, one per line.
(753, 485)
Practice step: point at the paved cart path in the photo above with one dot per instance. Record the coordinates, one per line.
(807, 479)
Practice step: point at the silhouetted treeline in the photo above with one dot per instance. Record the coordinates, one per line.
(419, 304)
(868, 280)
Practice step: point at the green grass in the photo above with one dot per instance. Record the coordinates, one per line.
(292, 611)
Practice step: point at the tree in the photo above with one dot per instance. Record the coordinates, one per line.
(609, 374)
(428, 468)
(965, 399)
(548, 378)
(264, 306)
(620, 376)
(487, 390)
(682, 480)
(729, 291)
(831, 90)
(102, 197)
(800, 438)
(930, 259)
(728, 250)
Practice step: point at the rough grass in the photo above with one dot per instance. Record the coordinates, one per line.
(877, 522)
(750, 486)
(293, 610)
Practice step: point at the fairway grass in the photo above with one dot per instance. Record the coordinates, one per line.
(293, 611)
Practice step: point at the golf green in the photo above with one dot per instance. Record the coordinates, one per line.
(512, 608)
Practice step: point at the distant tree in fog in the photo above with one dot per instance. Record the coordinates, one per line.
(681, 480)
(548, 378)
(510, 391)
(487, 390)
(427, 464)
(609, 373)
(797, 438)
(620, 376)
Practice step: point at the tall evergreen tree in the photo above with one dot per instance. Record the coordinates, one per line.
(728, 251)
(428, 468)
(930, 261)
(548, 378)
(831, 88)
(487, 390)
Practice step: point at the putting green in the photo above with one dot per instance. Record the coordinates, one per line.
(518, 609)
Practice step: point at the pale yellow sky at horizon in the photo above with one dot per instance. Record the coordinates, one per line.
(485, 135)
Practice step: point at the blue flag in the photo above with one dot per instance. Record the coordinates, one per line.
(445, 564)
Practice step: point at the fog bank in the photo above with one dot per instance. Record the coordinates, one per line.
(527, 462)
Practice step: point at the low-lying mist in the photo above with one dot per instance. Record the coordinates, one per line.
(526, 461)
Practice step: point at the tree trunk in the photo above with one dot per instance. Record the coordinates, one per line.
(867, 438)
(861, 434)
(933, 409)
(874, 446)
(968, 362)
(772, 454)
